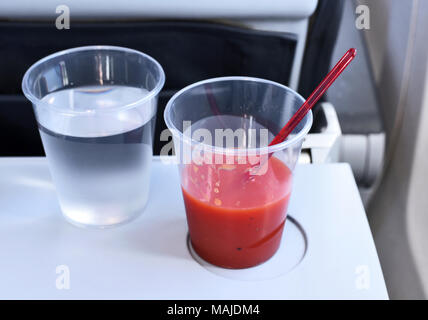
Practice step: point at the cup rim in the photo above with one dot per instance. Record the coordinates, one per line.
(39, 102)
(227, 151)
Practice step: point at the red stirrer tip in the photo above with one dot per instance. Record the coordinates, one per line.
(315, 96)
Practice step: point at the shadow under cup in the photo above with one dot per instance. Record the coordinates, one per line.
(236, 189)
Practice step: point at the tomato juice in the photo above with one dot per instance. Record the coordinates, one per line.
(235, 222)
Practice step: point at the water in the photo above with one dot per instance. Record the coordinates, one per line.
(99, 161)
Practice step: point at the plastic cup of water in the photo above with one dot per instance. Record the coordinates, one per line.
(96, 108)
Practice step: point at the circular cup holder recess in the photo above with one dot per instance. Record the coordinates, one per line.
(292, 250)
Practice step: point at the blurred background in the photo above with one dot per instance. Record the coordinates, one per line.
(375, 116)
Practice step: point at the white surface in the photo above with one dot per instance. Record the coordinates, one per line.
(148, 258)
(156, 8)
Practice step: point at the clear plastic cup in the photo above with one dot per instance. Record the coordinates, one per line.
(235, 188)
(95, 107)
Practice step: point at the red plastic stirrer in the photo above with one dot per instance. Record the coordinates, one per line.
(314, 97)
(311, 101)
